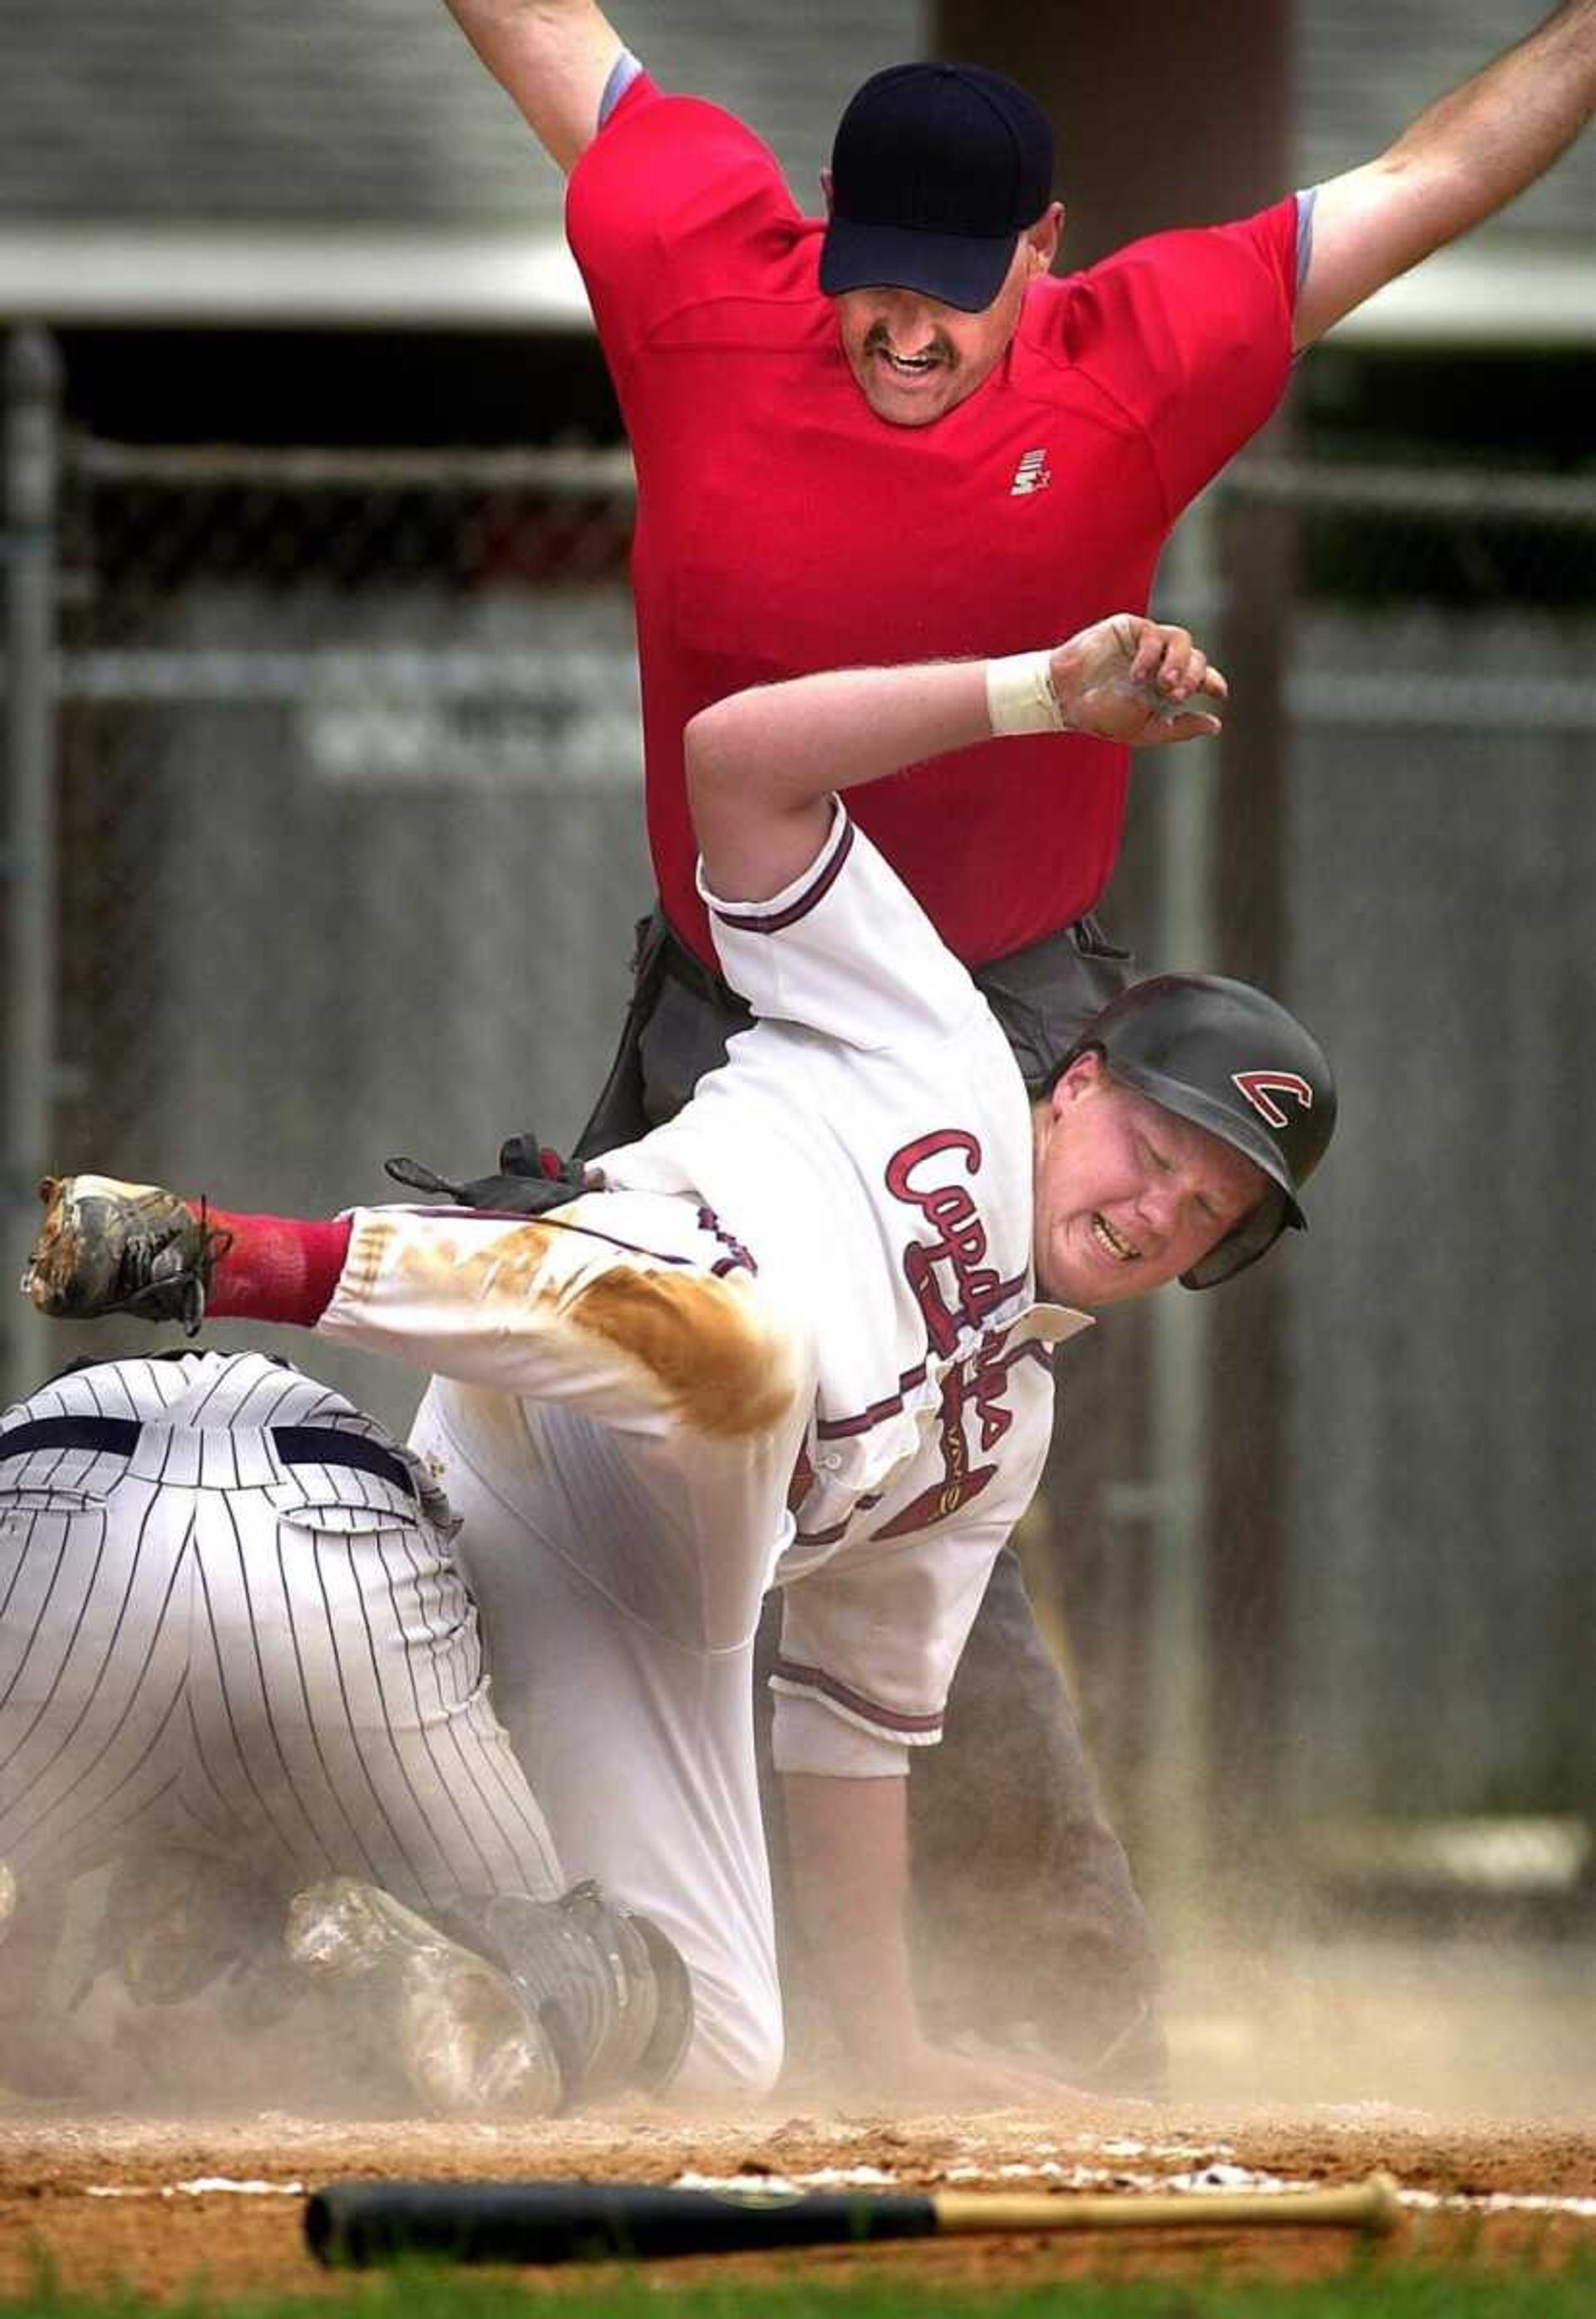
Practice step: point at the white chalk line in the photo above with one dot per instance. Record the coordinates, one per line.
(203, 2186)
(1216, 2176)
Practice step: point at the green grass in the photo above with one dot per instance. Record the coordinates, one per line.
(1408, 2291)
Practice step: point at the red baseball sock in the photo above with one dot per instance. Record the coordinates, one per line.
(276, 1268)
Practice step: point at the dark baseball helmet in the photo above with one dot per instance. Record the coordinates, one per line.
(1234, 1061)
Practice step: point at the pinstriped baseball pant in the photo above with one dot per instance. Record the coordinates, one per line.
(286, 1666)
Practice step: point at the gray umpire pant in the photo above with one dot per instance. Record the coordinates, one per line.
(1025, 1918)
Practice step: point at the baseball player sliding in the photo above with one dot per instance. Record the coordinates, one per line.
(799, 1335)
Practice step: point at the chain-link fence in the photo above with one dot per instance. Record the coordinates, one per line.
(351, 789)
(349, 844)
(350, 831)
(1442, 721)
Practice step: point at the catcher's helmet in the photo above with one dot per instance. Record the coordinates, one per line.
(1223, 1055)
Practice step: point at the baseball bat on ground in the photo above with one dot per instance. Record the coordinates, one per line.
(363, 2223)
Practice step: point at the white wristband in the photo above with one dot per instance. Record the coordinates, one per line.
(1020, 696)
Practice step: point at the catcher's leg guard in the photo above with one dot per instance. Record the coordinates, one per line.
(609, 1985)
(106, 1247)
(460, 2031)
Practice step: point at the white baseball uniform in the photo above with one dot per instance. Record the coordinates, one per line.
(230, 1615)
(795, 1341)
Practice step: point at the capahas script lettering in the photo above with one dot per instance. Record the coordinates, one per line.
(954, 1284)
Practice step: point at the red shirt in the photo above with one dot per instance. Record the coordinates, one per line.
(783, 528)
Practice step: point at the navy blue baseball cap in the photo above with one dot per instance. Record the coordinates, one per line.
(936, 171)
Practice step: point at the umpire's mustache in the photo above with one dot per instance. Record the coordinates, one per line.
(878, 340)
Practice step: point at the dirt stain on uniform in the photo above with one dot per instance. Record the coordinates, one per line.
(507, 1267)
(715, 1365)
(719, 1368)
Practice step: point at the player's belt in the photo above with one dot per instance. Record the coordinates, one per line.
(295, 1445)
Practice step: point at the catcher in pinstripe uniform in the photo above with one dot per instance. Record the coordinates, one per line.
(240, 1665)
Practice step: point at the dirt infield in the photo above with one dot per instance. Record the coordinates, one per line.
(160, 2204)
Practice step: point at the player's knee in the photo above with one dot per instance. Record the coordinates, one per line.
(735, 2056)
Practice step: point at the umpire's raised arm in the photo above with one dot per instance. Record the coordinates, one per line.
(553, 57)
(763, 766)
(1464, 157)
